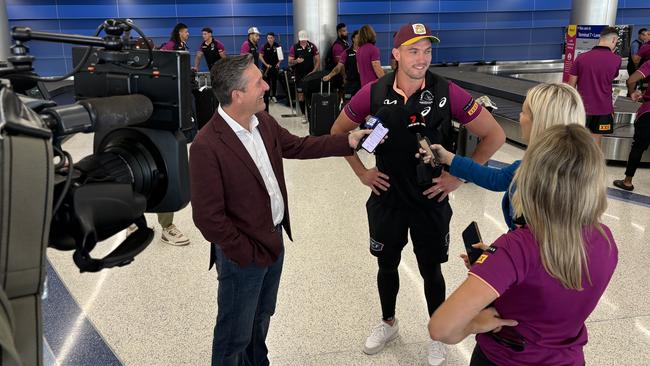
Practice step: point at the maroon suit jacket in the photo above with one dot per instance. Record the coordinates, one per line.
(230, 203)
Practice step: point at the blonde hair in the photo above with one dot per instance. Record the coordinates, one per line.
(561, 191)
(553, 104)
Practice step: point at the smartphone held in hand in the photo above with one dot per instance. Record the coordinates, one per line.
(471, 236)
(371, 141)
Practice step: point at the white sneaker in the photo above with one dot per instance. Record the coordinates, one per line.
(172, 236)
(381, 334)
(437, 353)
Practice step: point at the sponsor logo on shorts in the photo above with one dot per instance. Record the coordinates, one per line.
(443, 102)
(426, 98)
(604, 127)
(482, 258)
(376, 246)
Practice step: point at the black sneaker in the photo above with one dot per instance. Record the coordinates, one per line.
(621, 184)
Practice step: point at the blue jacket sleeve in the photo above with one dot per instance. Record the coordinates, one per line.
(494, 179)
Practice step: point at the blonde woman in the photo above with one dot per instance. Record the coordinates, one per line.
(547, 277)
(545, 105)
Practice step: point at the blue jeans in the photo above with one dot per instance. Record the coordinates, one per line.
(246, 301)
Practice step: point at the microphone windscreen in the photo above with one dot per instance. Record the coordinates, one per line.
(118, 111)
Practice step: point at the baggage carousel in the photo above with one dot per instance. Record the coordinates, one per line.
(507, 83)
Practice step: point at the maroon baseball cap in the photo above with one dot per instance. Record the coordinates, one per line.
(411, 33)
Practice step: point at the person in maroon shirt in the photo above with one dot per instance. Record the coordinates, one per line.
(348, 67)
(250, 45)
(593, 73)
(333, 58)
(528, 295)
(177, 40)
(641, 139)
(170, 233)
(412, 99)
(239, 203)
(368, 58)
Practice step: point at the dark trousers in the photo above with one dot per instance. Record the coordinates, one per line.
(246, 300)
(479, 358)
(640, 143)
(272, 79)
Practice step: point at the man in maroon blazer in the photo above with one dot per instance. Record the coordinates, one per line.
(239, 203)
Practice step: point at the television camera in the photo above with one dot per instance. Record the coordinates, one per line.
(137, 102)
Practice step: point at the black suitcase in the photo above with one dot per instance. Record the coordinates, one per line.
(324, 111)
(206, 105)
(287, 85)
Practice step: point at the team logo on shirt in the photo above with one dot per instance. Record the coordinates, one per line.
(376, 246)
(443, 101)
(419, 29)
(482, 258)
(426, 98)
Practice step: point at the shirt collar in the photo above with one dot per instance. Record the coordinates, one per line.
(602, 48)
(401, 92)
(236, 127)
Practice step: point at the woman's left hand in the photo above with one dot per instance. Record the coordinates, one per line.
(443, 185)
(488, 320)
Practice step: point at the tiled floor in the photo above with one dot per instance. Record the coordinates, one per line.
(161, 309)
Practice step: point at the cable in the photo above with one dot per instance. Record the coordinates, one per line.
(148, 47)
(50, 79)
(68, 180)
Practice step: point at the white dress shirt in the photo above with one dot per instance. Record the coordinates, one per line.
(254, 144)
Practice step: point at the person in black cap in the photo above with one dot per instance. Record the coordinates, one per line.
(415, 99)
(271, 63)
(211, 48)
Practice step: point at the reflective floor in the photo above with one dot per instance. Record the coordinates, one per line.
(161, 309)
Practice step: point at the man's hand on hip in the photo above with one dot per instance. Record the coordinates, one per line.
(375, 179)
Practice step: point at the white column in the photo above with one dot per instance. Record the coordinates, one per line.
(594, 12)
(5, 43)
(318, 17)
